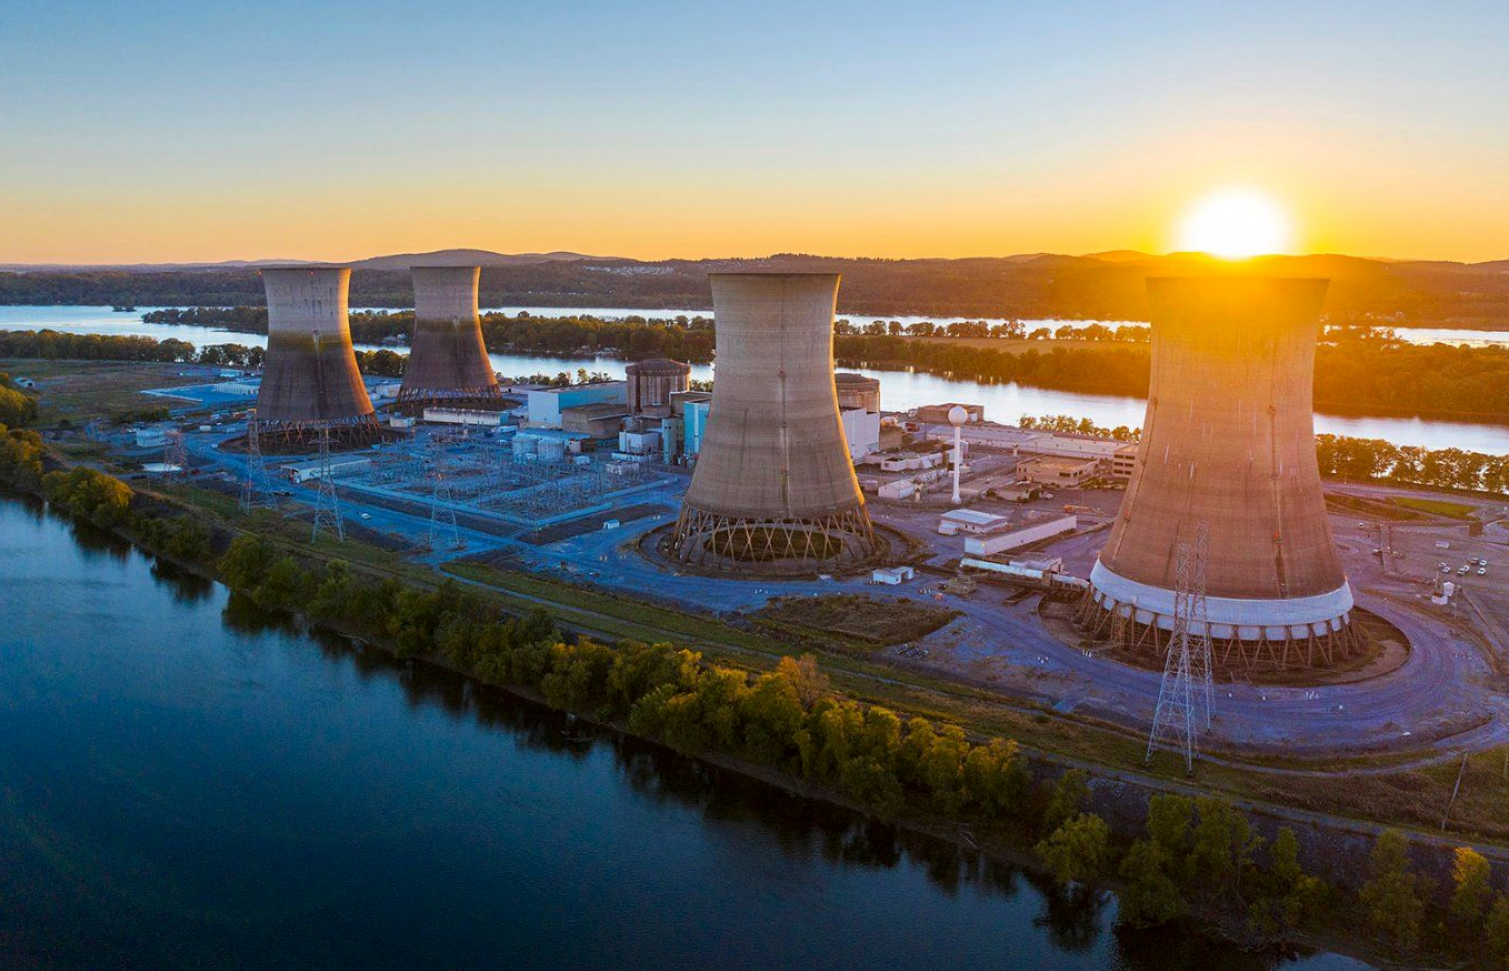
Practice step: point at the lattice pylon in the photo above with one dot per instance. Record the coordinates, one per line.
(1200, 676)
(255, 490)
(442, 515)
(1176, 720)
(175, 455)
(327, 505)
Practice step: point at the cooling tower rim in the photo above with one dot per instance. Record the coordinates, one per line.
(310, 267)
(773, 274)
(1254, 614)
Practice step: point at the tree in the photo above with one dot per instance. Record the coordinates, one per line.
(803, 673)
(1151, 896)
(1286, 894)
(1391, 896)
(1079, 850)
(1469, 878)
(1068, 798)
(1223, 847)
(1496, 930)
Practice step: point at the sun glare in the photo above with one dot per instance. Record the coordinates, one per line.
(1235, 223)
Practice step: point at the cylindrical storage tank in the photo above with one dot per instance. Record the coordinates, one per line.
(448, 361)
(1229, 442)
(774, 485)
(857, 391)
(310, 380)
(651, 384)
(551, 450)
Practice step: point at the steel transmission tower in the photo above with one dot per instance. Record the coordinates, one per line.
(255, 490)
(442, 516)
(175, 456)
(1184, 694)
(327, 505)
(1199, 629)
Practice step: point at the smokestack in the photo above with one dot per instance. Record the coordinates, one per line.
(774, 487)
(1229, 440)
(310, 381)
(448, 363)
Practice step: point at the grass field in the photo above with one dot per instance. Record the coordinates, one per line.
(1439, 507)
(878, 623)
(81, 391)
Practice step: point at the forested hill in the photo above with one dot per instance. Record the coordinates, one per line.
(1110, 288)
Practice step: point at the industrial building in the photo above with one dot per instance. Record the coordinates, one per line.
(693, 407)
(448, 363)
(774, 484)
(545, 405)
(1229, 444)
(938, 414)
(310, 382)
(1000, 541)
(599, 419)
(651, 385)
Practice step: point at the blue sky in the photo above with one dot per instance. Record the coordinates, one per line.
(160, 130)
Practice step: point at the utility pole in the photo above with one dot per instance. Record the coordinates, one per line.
(327, 505)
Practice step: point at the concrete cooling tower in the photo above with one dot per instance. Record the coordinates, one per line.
(310, 381)
(774, 486)
(1229, 441)
(448, 363)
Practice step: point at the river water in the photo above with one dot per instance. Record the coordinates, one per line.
(189, 782)
(900, 390)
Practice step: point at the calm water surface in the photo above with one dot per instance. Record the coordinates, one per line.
(187, 782)
(900, 390)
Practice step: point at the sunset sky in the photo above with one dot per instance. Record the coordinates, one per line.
(153, 130)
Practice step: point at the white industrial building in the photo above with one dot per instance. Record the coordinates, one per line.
(971, 521)
(1001, 542)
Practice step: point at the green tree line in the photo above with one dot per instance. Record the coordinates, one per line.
(1343, 457)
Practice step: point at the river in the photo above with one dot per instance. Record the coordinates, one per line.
(900, 390)
(192, 783)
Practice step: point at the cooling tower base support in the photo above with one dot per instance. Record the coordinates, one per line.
(415, 401)
(1284, 648)
(302, 436)
(842, 540)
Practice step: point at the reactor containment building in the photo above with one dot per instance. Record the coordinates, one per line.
(774, 486)
(310, 382)
(448, 364)
(1229, 441)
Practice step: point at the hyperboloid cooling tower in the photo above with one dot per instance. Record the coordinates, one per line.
(1229, 441)
(310, 381)
(448, 362)
(774, 485)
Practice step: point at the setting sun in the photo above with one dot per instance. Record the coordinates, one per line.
(1235, 223)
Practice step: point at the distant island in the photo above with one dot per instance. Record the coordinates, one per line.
(1105, 286)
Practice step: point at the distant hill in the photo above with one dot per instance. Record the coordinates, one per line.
(471, 257)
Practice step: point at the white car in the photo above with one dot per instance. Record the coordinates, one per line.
(1482, 571)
